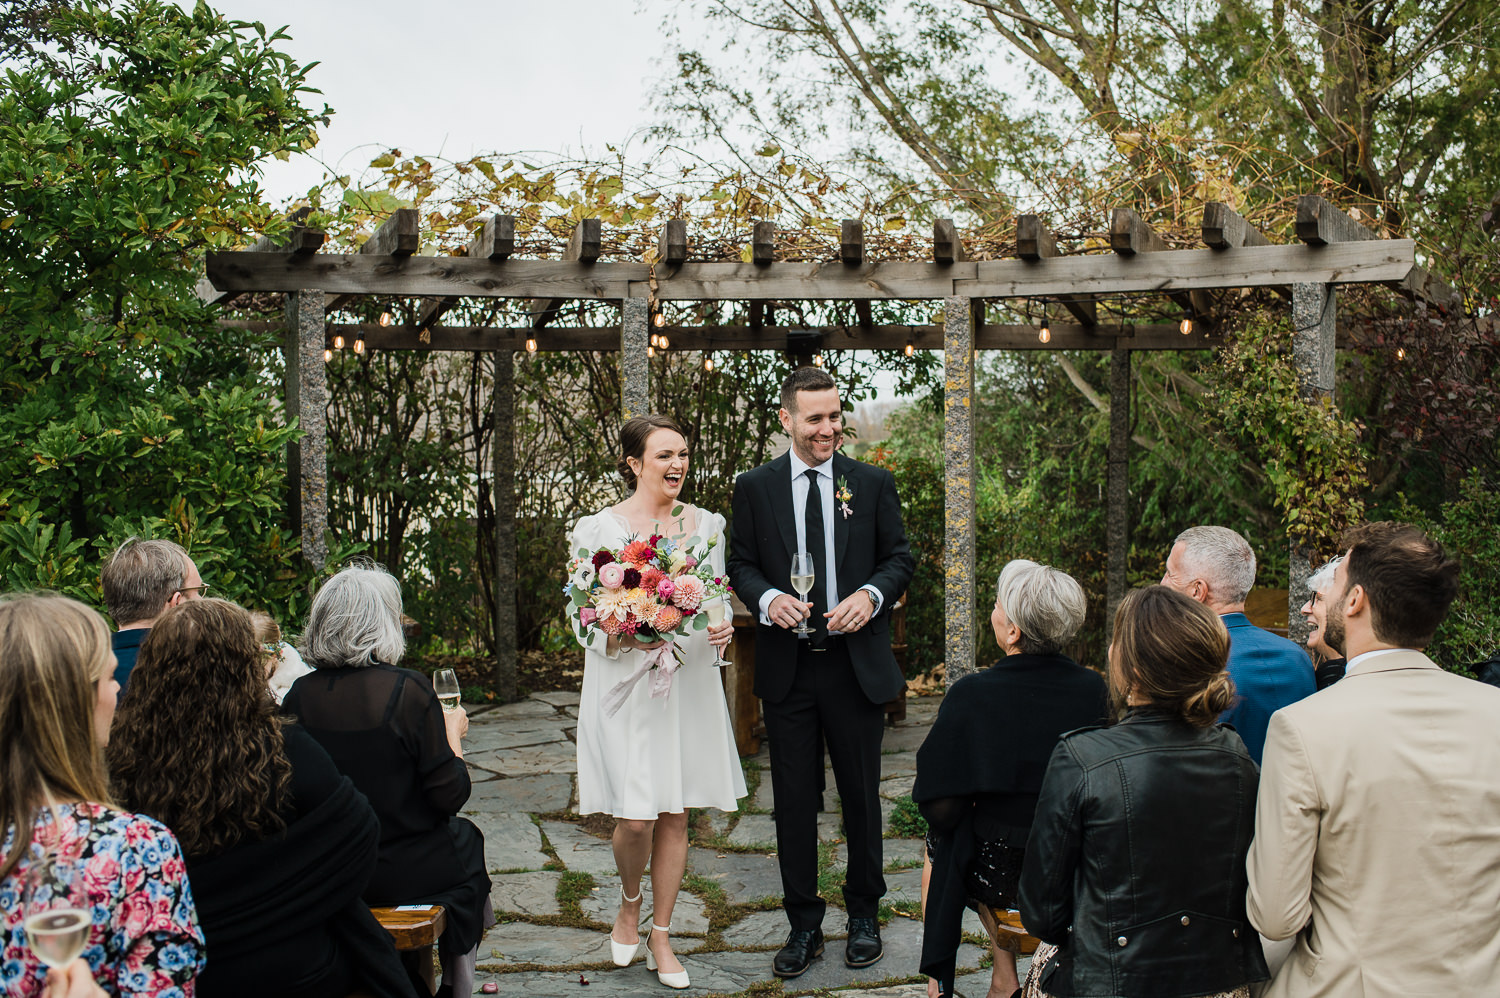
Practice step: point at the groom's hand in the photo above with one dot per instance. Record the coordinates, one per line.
(852, 613)
(788, 611)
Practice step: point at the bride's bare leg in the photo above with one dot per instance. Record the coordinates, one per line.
(668, 863)
(1003, 979)
(632, 842)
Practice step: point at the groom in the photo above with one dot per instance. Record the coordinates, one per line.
(829, 687)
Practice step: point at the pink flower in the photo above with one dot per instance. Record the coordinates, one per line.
(690, 592)
(667, 618)
(665, 588)
(691, 563)
(610, 625)
(612, 576)
(587, 616)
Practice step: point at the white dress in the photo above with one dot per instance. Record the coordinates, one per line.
(654, 756)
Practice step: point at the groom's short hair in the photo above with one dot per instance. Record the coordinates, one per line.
(804, 379)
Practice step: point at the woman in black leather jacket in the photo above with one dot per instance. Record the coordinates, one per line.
(1135, 868)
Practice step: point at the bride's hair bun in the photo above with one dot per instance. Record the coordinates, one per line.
(1172, 652)
(633, 437)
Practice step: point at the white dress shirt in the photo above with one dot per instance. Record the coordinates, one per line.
(800, 486)
(1357, 662)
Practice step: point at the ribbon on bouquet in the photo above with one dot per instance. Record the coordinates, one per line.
(663, 660)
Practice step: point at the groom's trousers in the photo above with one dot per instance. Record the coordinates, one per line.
(826, 704)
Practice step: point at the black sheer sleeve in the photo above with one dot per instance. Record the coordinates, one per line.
(944, 813)
(417, 718)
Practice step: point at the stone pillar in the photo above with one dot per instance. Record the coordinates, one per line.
(958, 479)
(503, 453)
(635, 369)
(1314, 324)
(307, 402)
(1117, 512)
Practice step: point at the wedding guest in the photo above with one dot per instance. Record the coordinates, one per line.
(57, 699)
(1382, 794)
(386, 731)
(1329, 663)
(1134, 875)
(284, 666)
(648, 760)
(980, 769)
(261, 812)
(1215, 566)
(141, 579)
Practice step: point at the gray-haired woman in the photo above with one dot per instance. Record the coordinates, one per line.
(386, 731)
(981, 767)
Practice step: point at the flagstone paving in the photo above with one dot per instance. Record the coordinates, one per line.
(557, 896)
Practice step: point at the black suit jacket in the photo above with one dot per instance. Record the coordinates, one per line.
(869, 549)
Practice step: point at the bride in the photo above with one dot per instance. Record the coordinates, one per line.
(654, 758)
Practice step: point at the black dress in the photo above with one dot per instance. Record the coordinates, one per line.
(283, 915)
(383, 727)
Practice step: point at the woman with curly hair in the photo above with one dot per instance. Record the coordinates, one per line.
(1134, 874)
(279, 845)
(57, 698)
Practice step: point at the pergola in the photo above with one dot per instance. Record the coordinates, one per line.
(1332, 249)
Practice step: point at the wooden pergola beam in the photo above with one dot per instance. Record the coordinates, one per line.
(852, 241)
(1376, 261)
(1321, 223)
(1224, 228)
(299, 240)
(672, 244)
(947, 244)
(1130, 236)
(397, 238)
(495, 239)
(1035, 243)
(584, 247)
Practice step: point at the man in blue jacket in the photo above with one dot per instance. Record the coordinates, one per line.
(141, 581)
(1215, 566)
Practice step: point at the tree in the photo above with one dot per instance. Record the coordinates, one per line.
(129, 138)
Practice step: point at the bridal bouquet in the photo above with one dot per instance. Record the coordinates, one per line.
(652, 589)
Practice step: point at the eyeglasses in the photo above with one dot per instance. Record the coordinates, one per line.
(202, 590)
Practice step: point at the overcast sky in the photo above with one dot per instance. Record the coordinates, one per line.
(460, 77)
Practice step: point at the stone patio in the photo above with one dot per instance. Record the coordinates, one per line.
(555, 890)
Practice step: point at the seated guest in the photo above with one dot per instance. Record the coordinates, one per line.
(279, 845)
(980, 769)
(283, 665)
(140, 581)
(57, 698)
(386, 731)
(1328, 663)
(1135, 869)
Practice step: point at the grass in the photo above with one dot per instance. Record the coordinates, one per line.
(572, 887)
(906, 820)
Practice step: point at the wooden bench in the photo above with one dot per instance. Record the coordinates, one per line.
(1008, 933)
(415, 932)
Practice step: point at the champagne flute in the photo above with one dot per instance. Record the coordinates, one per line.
(57, 913)
(717, 609)
(445, 684)
(802, 581)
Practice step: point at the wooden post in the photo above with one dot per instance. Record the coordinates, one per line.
(503, 455)
(307, 402)
(635, 369)
(959, 320)
(1117, 513)
(1314, 322)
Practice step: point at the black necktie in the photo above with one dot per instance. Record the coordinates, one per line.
(816, 546)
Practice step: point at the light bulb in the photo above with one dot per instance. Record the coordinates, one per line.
(911, 348)
(531, 344)
(1186, 325)
(1045, 333)
(661, 341)
(1401, 353)
(817, 360)
(338, 343)
(654, 339)
(359, 347)
(651, 351)
(385, 318)
(327, 356)
(660, 320)
(708, 362)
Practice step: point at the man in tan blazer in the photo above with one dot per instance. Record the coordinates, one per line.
(1377, 830)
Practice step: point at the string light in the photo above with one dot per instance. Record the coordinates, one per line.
(338, 343)
(359, 347)
(385, 318)
(708, 362)
(531, 344)
(911, 348)
(655, 339)
(1186, 325)
(651, 351)
(660, 320)
(661, 341)
(817, 360)
(1045, 333)
(1401, 353)
(327, 356)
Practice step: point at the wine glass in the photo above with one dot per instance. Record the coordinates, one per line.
(57, 912)
(445, 684)
(802, 581)
(717, 609)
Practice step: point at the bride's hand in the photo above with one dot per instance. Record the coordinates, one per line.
(631, 641)
(721, 635)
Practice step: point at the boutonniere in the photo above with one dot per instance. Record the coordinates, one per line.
(844, 495)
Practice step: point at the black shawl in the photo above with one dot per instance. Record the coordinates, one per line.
(310, 875)
(993, 736)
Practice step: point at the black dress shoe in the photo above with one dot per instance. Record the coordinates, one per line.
(863, 947)
(793, 959)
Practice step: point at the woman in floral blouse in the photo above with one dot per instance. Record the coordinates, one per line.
(57, 697)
